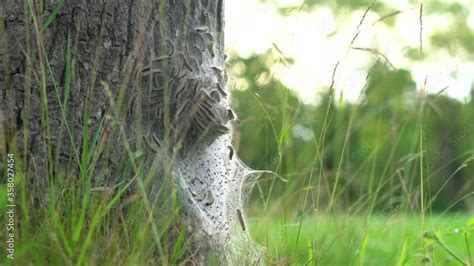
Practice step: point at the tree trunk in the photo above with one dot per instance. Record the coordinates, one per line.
(120, 77)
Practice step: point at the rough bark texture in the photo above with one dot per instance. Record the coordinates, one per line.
(153, 68)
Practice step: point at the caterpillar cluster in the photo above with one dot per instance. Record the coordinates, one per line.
(182, 103)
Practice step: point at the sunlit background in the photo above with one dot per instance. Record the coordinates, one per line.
(317, 36)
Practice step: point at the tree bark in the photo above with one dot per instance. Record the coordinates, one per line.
(124, 76)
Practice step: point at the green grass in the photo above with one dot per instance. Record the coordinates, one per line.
(358, 240)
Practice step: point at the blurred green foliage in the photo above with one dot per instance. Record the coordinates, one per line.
(374, 155)
(372, 148)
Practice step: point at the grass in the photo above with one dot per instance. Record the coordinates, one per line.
(339, 239)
